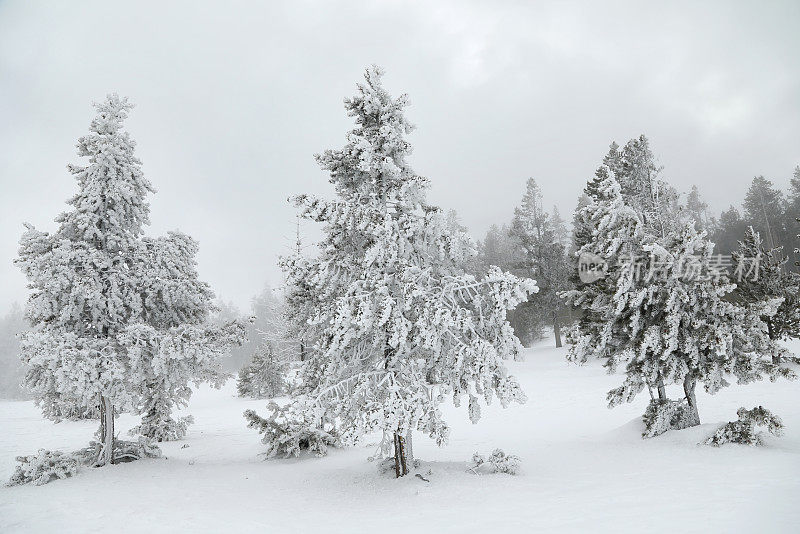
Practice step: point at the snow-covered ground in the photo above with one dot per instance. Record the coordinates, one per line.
(585, 469)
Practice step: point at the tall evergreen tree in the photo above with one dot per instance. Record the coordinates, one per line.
(765, 209)
(762, 278)
(581, 232)
(104, 328)
(399, 325)
(499, 249)
(731, 226)
(697, 210)
(634, 170)
(560, 233)
(660, 310)
(544, 258)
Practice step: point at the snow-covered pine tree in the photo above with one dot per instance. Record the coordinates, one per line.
(84, 295)
(175, 336)
(763, 277)
(103, 325)
(398, 324)
(697, 210)
(583, 230)
(661, 310)
(265, 376)
(560, 232)
(765, 209)
(638, 195)
(544, 258)
(499, 248)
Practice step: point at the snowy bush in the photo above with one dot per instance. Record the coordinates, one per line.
(497, 462)
(43, 468)
(743, 429)
(668, 415)
(289, 430)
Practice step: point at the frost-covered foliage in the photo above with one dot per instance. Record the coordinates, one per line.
(743, 430)
(74, 413)
(544, 257)
(661, 416)
(160, 426)
(497, 462)
(396, 323)
(265, 321)
(265, 376)
(763, 279)
(118, 319)
(662, 311)
(43, 467)
(291, 429)
(174, 358)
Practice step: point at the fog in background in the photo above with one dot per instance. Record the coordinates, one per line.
(234, 99)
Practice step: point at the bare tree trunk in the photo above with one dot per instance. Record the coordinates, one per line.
(662, 391)
(400, 460)
(409, 449)
(776, 358)
(107, 428)
(689, 384)
(556, 328)
(102, 419)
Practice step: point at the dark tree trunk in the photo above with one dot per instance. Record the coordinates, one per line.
(776, 358)
(556, 328)
(662, 391)
(400, 458)
(409, 450)
(689, 384)
(102, 420)
(106, 455)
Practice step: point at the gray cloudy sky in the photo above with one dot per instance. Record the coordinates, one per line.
(233, 99)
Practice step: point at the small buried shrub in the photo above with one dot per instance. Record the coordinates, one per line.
(743, 430)
(43, 467)
(669, 415)
(497, 462)
(124, 451)
(289, 430)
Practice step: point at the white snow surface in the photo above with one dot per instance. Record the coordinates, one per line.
(585, 468)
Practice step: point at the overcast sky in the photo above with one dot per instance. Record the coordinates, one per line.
(233, 99)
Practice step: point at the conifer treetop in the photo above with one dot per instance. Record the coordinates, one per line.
(110, 208)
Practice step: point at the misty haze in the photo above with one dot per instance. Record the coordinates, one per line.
(399, 266)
